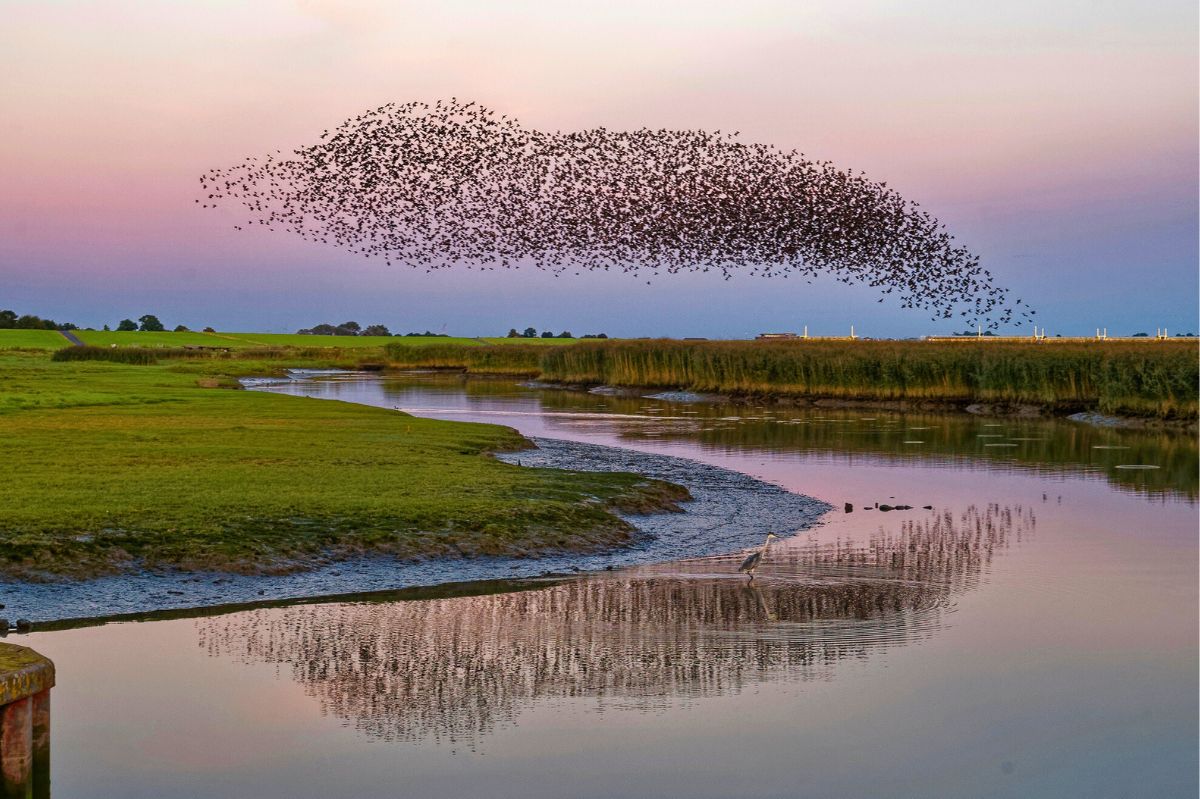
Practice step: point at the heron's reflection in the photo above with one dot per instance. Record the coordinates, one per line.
(454, 669)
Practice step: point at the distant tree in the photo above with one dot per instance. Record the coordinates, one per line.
(181, 329)
(565, 334)
(547, 334)
(323, 330)
(601, 335)
(106, 327)
(209, 330)
(351, 328)
(151, 324)
(1140, 335)
(512, 333)
(9, 320)
(529, 333)
(127, 324)
(376, 330)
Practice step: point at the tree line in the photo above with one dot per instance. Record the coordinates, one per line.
(531, 332)
(355, 329)
(9, 320)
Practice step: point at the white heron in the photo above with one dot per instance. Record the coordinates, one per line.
(753, 560)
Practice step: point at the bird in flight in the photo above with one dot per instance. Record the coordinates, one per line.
(451, 184)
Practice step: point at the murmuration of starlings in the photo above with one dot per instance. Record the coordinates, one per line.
(454, 184)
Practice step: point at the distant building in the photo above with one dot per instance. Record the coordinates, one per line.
(774, 336)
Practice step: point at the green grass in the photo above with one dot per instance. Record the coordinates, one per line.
(110, 466)
(32, 339)
(296, 340)
(141, 338)
(50, 339)
(138, 338)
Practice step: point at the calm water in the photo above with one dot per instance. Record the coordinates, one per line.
(1034, 633)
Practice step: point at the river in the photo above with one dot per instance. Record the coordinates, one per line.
(1028, 627)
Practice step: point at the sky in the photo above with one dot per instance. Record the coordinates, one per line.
(1058, 141)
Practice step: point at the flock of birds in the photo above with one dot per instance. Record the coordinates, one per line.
(455, 184)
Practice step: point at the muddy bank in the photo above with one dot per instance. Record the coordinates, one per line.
(729, 511)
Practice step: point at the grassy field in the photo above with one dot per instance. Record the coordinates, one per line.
(138, 338)
(108, 467)
(295, 340)
(32, 339)
(1148, 379)
(52, 339)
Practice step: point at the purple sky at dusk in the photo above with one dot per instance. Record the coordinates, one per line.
(1056, 140)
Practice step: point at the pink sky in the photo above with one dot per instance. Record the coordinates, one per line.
(1058, 141)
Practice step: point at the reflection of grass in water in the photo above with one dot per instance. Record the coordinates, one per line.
(453, 670)
(1046, 445)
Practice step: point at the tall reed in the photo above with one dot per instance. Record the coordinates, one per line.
(131, 355)
(513, 359)
(1157, 379)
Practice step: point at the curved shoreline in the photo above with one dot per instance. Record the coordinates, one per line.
(707, 526)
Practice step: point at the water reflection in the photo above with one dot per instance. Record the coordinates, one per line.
(452, 670)
(1029, 445)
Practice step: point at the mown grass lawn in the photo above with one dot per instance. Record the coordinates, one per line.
(108, 467)
(32, 339)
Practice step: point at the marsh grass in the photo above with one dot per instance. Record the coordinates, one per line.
(1150, 379)
(509, 359)
(112, 466)
(127, 355)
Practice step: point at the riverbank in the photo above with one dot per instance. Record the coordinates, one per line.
(112, 468)
(728, 511)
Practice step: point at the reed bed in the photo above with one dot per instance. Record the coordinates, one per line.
(141, 356)
(509, 359)
(1124, 378)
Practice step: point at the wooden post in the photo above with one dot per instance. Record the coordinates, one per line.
(25, 682)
